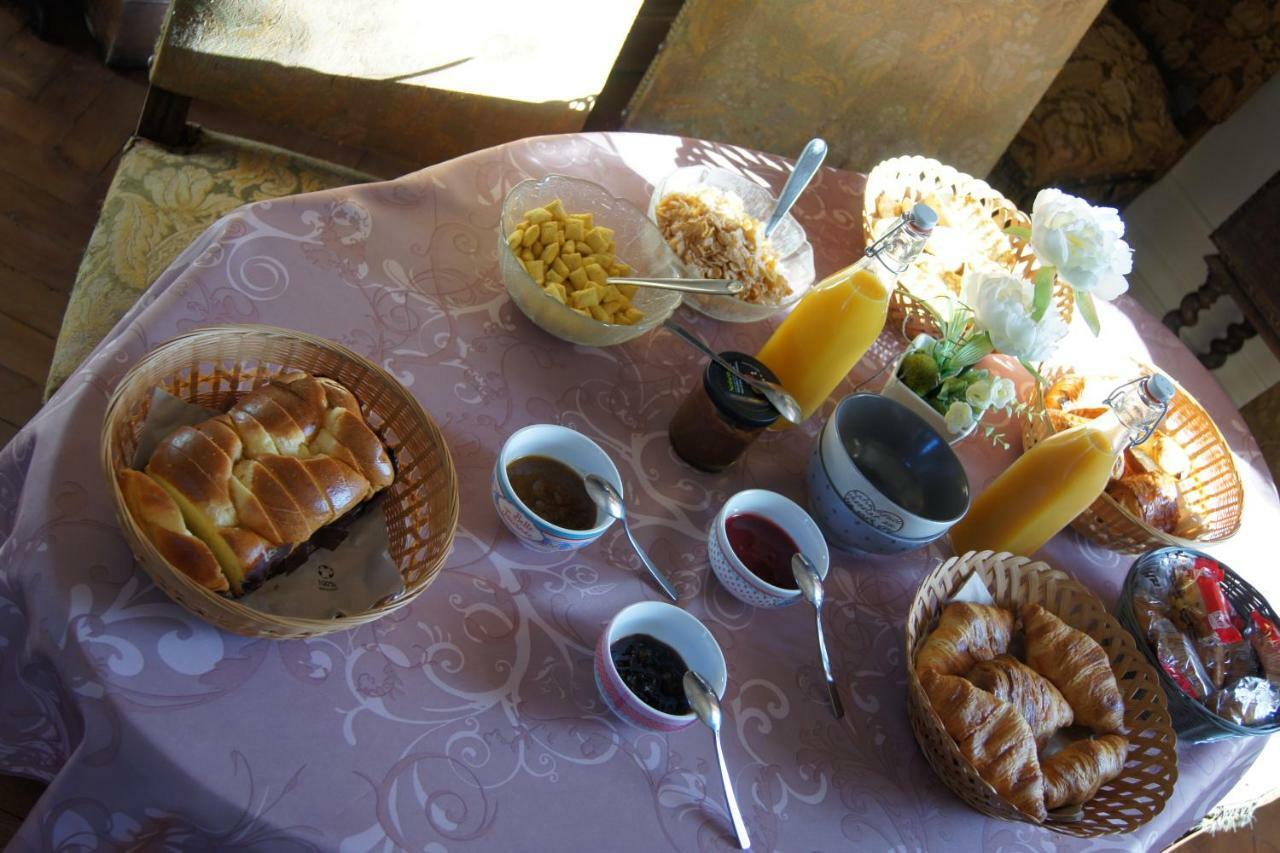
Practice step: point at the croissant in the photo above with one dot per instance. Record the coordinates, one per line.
(993, 737)
(251, 485)
(1074, 774)
(1039, 702)
(1077, 666)
(1152, 498)
(966, 633)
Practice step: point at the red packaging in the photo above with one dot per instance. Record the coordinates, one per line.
(1219, 613)
(1266, 642)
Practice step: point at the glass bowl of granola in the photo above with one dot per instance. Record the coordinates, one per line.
(713, 219)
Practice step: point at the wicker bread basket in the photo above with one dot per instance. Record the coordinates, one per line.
(1147, 781)
(1213, 486)
(970, 206)
(212, 367)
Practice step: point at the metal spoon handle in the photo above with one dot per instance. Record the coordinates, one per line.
(740, 828)
(837, 707)
(710, 286)
(701, 345)
(806, 167)
(658, 576)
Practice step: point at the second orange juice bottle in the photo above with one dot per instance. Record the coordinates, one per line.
(836, 322)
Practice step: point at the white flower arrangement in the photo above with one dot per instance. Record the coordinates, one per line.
(1081, 244)
(1003, 306)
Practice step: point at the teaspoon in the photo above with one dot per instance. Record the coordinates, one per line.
(705, 704)
(706, 286)
(806, 167)
(772, 391)
(608, 499)
(810, 584)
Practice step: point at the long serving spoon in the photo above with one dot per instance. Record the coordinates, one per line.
(705, 704)
(772, 391)
(806, 167)
(706, 286)
(810, 584)
(608, 499)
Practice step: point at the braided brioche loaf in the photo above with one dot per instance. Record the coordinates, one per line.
(227, 499)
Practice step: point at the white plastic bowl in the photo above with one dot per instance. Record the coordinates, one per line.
(640, 246)
(795, 254)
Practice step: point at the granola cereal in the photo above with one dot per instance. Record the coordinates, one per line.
(712, 233)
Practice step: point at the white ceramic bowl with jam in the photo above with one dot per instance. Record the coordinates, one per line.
(564, 445)
(751, 542)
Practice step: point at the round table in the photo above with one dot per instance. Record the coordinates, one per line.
(470, 720)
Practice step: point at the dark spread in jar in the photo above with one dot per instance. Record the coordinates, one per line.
(653, 671)
(722, 415)
(554, 491)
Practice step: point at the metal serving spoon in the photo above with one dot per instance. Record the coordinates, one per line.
(772, 391)
(608, 499)
(707, 286)
(806, 167)
(705, 704)
(810, 584)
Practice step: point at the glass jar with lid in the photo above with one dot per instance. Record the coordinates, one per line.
(722, 415)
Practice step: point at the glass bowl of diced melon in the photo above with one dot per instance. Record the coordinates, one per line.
(559, 241)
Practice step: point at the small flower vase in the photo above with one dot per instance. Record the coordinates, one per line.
(897, 391)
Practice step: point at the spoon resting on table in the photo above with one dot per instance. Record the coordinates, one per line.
(810, 583)
(707, 707)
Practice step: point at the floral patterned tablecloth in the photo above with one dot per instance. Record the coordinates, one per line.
(470, 720)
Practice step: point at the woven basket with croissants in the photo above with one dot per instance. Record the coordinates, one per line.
(309, 432)
(1180, 487)
(984, 718)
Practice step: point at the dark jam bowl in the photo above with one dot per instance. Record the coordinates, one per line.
(687, 636)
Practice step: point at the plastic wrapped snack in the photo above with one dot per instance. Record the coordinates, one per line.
(1249, 702)
(1177, 656)
(1201, 607)
(1265, 639)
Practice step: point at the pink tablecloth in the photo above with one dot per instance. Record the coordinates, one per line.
(470, 720)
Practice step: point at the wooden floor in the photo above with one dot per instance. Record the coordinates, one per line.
(63, 119)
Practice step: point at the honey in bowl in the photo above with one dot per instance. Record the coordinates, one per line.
(554, 491)
(763, 547)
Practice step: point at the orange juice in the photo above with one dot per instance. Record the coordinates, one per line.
(826, 334)
(1043, 490)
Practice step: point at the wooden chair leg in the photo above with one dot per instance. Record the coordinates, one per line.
(164, 117)
(1201, 299)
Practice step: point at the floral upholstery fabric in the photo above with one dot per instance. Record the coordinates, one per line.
(951, 79)
(158, 202)
(1103, 129)
(1213, 54)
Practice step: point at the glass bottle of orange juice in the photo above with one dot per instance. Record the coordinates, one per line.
(835, 323)
(1057, 479)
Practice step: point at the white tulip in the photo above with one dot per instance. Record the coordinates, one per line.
(1003, 393)
(979, 394)
(1002, 304)
(959, 417)
(1083, 242)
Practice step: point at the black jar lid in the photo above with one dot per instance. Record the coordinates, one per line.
(739, 403)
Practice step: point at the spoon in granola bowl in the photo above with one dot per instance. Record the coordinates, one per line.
(806, 167)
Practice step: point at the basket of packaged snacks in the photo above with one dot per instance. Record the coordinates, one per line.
(1212, 637)
(1180, 487)
(236, 454)
(973, 219)
(1031, 702)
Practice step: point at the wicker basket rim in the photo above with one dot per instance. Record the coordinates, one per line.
(248, 330)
